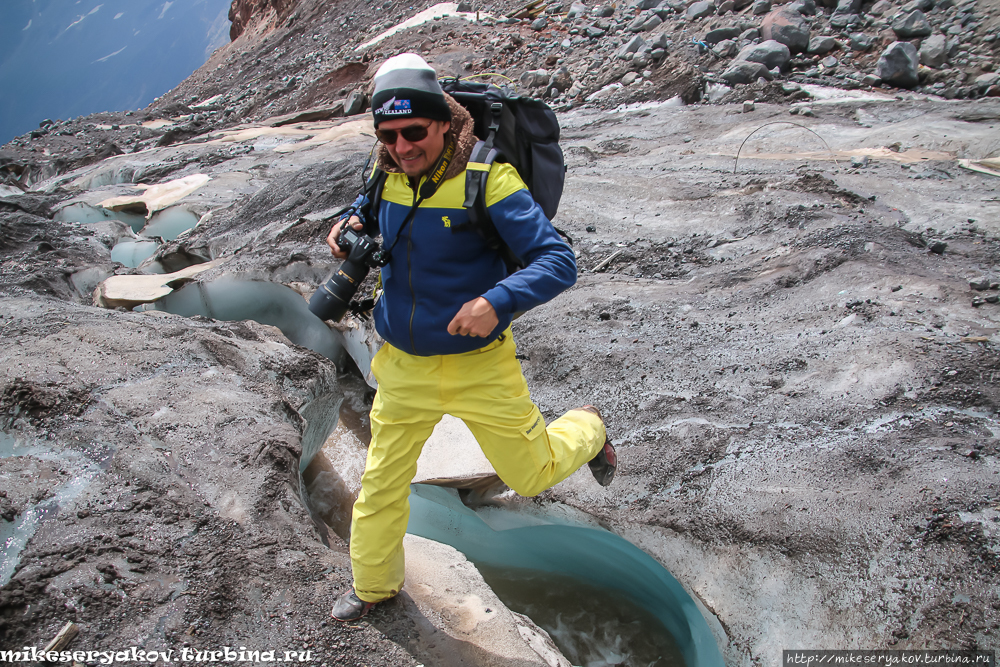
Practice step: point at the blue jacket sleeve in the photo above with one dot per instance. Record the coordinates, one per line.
(550, 265)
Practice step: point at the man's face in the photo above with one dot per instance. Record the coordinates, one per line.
(416, 158)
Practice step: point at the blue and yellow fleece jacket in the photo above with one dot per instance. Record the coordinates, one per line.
(434, 271)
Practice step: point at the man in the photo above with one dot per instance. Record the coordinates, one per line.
(445, 314)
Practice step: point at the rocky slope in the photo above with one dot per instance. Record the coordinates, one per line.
(796, 354)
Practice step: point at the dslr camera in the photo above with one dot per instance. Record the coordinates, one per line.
(333, 299)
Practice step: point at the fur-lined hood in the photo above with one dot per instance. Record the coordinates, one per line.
(460, 132)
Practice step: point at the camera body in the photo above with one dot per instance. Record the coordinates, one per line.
(333, 298)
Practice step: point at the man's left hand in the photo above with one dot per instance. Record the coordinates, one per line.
(476, 318)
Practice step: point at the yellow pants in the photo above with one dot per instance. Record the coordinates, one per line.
(485, 389)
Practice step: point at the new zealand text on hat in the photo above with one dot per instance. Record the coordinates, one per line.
(407, 87)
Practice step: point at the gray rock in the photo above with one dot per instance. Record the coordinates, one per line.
(659, 42)
(540, 23)
(726, 48)
(984, 81)
(914, 24)
(880, 8)
(632, 45)
(726, 6)
(937, 247)
(788, 27)
(898, 65)
(934, 51)
(829, 62)
(761, 7)
(355, 103)
(871, 80)
(629, 78)
(657, 54)
(561, 80)
(645, 23)
(770, 53)
(647, 4)
(750, 34)
(700, 9)
(715, 36)
(594, 32)
(859, 161)
(576, 10)
(848, 7)
(603, 11)
(804, 7)
(464, 7)
(821, 44)
(535, 78)
(861, 41)
(744, 71)
(748, 106)
(922, 5)
(843, 20)
(980, 284)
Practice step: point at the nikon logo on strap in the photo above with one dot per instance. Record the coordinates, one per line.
(430, 186)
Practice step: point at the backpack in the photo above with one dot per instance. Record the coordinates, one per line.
(520, 131)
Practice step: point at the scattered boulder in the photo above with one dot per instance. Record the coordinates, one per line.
(700, 9)
(535, 78)
(761, 7)
(725, 6)
(880, 8)
(861, 41)
(788, 27)
(934, 51)
(770, 53)
(821, 44)
(984, 81)
(464, 7)
(577, 10)
(898, 65)
(914, 24)
(726, 48)
(603, 11)
(744, 71)
(561, 80)
(804, 7)
(922, 5)
(594, 32)
(540, 23)
(717, 35)
(645, 23)
(632, 46)
(355, 103)
(643, 5)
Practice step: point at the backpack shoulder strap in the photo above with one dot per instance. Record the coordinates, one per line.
(476, 175)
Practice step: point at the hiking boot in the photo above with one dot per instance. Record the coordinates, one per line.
(349, 607)
(603, 465)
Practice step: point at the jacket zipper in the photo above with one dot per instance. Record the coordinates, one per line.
(409, 271)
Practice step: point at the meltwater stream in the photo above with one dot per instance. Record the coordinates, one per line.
(603, 600)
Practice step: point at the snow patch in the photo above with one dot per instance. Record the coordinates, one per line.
(440, 10)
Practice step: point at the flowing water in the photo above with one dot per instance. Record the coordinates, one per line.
(268, 303)
(14, 535)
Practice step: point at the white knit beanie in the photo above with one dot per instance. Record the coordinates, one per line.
(407, 87)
